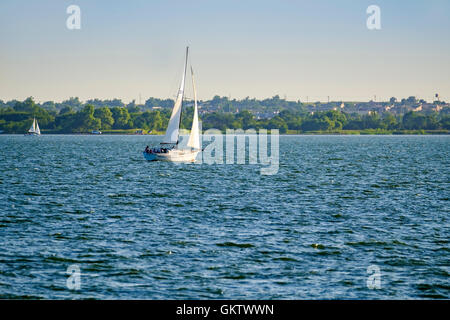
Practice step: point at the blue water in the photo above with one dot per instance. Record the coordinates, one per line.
(154, 230)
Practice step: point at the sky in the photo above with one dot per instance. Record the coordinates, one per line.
(299, 50)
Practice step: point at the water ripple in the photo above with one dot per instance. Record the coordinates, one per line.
(148, 230)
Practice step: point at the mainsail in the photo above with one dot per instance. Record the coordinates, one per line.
(173, 127)
(33, 126)
(194, 137)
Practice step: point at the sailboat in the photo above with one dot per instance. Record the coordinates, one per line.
(34, 129)
(169, 149)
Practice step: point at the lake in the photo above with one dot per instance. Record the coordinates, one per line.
(342, 213)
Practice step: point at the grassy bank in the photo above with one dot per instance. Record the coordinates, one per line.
(289, 132)
(131, 131)
(108, 132)
(370, 132)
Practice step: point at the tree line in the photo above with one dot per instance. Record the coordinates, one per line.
(18, 118)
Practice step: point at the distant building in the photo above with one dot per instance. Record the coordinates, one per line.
(430, 107)
(387, 108)
(418, 108)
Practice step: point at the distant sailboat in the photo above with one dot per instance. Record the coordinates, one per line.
(169, 149)
(34, 129)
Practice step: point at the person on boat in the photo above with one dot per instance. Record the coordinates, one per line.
(147, 149)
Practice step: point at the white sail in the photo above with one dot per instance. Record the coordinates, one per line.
(33, 127)
(194, 137)
(173, 127)
(37, 130)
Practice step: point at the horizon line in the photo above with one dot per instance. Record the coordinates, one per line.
(309, 100)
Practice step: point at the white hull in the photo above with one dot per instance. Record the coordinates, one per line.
(174, 155)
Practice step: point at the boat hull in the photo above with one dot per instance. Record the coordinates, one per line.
(174, 155)
(149, 156)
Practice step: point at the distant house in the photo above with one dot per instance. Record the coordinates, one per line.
(363, 112)
(264, 115)
(387, 108)
(430, 107)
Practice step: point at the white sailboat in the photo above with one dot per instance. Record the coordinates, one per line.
(34, 129)
(169, 149)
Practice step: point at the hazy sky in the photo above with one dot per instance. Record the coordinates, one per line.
(296, 49)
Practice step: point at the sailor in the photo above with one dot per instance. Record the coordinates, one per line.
(147, 149)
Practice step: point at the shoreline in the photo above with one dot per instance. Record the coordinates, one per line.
(310, 133)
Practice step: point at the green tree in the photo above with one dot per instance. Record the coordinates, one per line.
(414, 121)
(73, 102)
(317, 124)
(277, 123)
(85, 120)
(121, 117)
(445, 122)
(371, 121)
(338, 118)
(246, 118)
(389, 121)
(411, 100)
(156, 121)
(27, 106)
(66, 109)
(106, 117)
